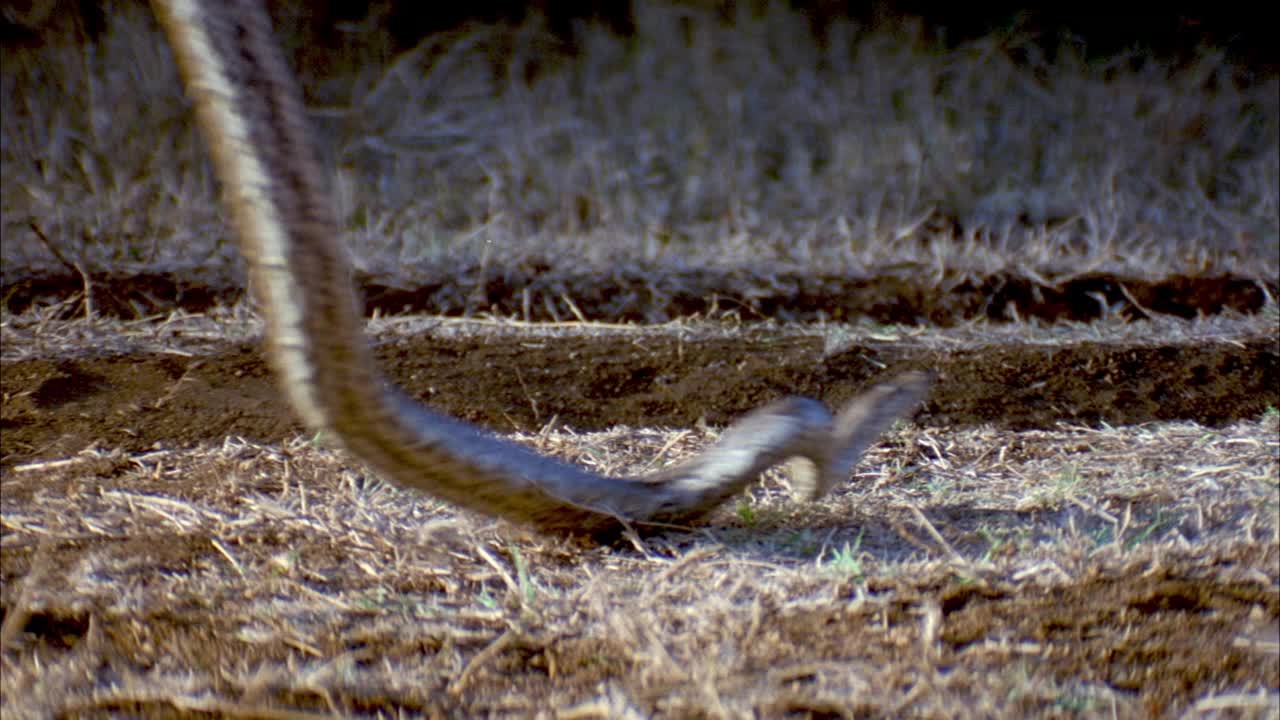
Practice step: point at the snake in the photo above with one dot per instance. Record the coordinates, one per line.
(251, 116)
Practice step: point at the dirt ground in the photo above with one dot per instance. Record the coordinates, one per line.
(593, 381)
(541, 290)
(1074, 524)
(675, 376)
(607, 255)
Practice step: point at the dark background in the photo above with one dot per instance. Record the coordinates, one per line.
(1171, 31)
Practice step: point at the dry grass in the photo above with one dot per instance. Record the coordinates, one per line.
(246, 580)
(41, 333)
(740, 144)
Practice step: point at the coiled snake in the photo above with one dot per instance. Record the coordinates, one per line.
(251, 114)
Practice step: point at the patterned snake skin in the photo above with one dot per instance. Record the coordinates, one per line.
(251, 114)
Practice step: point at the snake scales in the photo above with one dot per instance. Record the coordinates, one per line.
(251, 114)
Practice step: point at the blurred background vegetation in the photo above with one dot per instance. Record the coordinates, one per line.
(838, 137)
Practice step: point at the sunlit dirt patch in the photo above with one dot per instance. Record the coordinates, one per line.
(594, 378)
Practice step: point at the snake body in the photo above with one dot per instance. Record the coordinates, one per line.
(251, 115)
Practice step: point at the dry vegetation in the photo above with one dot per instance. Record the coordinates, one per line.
(739, 144)
(968, 570)
(1078, 569)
